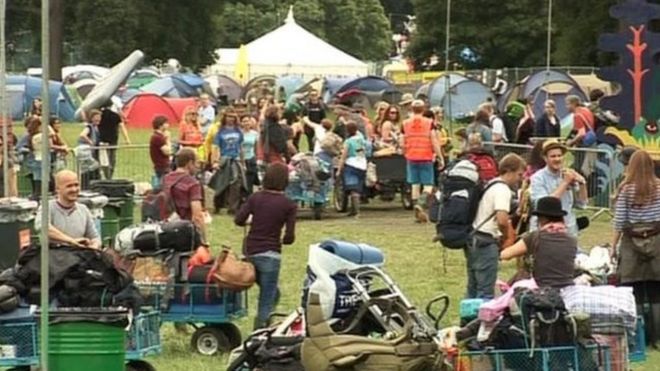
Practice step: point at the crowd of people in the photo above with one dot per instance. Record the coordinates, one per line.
(529, 202)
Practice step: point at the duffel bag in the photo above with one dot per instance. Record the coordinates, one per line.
(232, 273)
(113, 187)
(179, 235)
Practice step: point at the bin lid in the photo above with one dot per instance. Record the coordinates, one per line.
(17, 205)
(92, 200)
(113, 316)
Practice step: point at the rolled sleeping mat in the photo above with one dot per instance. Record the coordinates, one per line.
(357, 253)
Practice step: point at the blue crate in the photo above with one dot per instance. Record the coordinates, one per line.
(637, 345)
(541, 359)
(196, 302)
(469, 309)
(20, 341)
(143, 338)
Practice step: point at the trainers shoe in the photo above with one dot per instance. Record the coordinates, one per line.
(420, 215)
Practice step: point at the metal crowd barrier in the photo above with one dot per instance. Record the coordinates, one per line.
(131, 162)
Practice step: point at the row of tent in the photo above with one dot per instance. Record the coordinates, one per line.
(147, 93)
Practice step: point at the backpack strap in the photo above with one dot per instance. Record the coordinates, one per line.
(492, 215)
(170, 199)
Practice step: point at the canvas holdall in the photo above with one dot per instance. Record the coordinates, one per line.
(232, 273)
(325, 350)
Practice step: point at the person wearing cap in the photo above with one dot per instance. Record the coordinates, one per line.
(405, 104)
(420, 146)
(549, 252)
(625, 155)
(554, 180)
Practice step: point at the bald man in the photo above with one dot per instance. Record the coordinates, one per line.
(71, 223)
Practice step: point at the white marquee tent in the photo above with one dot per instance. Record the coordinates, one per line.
(290, 49)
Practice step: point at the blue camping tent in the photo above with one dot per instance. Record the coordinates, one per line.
(287, 85)
(541, 86)
(366, 84)
(465, 94)
(22, 90)
(180, 85)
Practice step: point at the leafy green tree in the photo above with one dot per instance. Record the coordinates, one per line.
(501, 33)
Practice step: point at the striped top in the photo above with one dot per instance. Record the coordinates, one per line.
(626, 212)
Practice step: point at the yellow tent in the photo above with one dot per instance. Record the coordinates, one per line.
(242, 68)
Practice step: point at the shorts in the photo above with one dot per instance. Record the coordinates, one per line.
(418, 172)
(353, 179)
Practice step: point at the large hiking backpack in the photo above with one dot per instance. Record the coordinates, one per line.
(326, 350)
(487, 166)
(462, 190)
(545, 319)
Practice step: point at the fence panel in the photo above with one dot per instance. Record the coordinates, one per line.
(131, 162)
(598, 165)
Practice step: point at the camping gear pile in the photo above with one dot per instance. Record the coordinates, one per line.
(176, 274)
(589, 320)
(354, 317)
(309, 181)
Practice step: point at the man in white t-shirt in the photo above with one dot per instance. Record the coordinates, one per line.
(206, 113)
(491, 225)
(496, 123)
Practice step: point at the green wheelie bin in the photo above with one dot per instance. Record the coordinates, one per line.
(16, 228)
(83, 339)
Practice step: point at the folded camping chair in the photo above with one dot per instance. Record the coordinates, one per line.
(326, 350)
(371, 282)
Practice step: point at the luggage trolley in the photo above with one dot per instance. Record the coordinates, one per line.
(19, 341)
(206, 307)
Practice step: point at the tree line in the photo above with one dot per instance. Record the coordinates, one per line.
(496, 33)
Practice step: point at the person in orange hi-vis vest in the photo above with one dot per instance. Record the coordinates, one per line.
(421, 147)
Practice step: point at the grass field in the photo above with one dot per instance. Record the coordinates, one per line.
(414, 262)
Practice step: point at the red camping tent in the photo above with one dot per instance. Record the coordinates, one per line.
(140, 110)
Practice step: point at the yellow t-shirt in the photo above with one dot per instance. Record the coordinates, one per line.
(205, 150)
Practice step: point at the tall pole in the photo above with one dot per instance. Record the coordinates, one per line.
(548, 51)
(45, 176)
(3, 100)
(447, 86)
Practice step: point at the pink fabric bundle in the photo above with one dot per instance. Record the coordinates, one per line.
(492, 310)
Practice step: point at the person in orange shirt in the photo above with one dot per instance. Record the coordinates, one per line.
(583, 134)
(421, 147)
(190, 133)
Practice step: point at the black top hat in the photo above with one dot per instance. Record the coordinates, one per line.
(549, 206)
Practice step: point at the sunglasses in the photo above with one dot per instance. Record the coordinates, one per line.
(393, 112)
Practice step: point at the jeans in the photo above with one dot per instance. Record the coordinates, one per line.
(251, 175)
(268, 272)
(482, 256)
(109, 170)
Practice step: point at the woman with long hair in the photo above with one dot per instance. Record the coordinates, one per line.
(190, 131)
(381, 109)
(250, 138)
(388, 128)
(548, 125)
(637, 238)
(271, 212)
(273, 142)
(34, 144)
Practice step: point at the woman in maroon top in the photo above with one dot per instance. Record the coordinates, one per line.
(270, 211)
(160, 149)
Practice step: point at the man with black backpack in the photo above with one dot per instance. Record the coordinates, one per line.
(491, 225)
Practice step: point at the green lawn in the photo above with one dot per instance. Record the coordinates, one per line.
(412, 260)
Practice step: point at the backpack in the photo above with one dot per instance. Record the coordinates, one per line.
(331, 143)
(545, 319)
(159, 205)
(326, 350)
(486, 165)
(462, 191)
